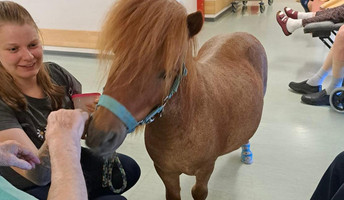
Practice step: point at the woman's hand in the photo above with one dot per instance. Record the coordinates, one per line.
(92, 107)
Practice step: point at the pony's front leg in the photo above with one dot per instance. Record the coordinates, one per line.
(200, 189)
(171, 181)
(246, 153)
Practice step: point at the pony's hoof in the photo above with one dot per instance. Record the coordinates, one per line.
(246, 157)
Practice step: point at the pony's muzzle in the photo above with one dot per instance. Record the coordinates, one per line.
(102, 142)
(106, 147)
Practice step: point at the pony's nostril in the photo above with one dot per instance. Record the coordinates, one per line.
(112, 139)
(112, 142)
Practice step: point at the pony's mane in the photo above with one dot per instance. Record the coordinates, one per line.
(139, 36)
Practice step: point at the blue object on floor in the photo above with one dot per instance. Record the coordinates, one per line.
(246, 154)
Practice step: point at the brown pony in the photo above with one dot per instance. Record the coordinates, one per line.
(219, 101)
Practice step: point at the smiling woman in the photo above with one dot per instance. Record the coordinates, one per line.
(21, 53)
(21, 60)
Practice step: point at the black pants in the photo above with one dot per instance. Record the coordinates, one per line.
(331, 185)
(92, 167)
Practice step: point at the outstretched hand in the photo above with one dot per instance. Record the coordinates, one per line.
(65, 125)
(13, 154)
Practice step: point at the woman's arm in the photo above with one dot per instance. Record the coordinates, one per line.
(40, 175)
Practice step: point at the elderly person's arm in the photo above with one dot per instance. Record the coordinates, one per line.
(63, 134)
(40, 175)
(14, 154)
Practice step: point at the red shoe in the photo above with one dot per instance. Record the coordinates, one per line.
(282, 21)
(291, 13)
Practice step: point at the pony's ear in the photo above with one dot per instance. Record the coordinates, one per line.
(195, 23)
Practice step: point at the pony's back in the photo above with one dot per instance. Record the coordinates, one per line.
(235, 47)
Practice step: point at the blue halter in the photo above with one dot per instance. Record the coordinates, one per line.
(127, 118)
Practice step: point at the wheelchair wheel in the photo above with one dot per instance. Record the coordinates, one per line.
(262, 8)
(233, 8)
(243, 9)
(337, 99)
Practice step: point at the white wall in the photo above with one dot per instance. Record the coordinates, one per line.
(191, 5)
(67, 14)
(75, 14)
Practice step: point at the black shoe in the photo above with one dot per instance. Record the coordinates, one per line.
(319, 98)
(304, 88)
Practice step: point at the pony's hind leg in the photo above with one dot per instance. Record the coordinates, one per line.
(171, 182)
(246, 154)
(200, 189)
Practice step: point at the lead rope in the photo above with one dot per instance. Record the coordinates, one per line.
(107, 173)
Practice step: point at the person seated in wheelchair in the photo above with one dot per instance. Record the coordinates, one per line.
(312, 91)
(312, 88)
(291, 20)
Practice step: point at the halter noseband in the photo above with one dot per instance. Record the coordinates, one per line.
(127, 118)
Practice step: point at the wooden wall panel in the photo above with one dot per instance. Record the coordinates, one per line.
(215, 6)
(209, 7)
(69, 38)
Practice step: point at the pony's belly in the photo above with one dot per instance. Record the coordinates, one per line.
(181, 158)
(180, 164)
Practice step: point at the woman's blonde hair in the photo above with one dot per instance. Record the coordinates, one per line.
(10, 93)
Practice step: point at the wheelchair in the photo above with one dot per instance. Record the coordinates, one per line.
(244, 6)
(324, 30)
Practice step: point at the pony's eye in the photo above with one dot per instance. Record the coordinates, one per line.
(163, 75)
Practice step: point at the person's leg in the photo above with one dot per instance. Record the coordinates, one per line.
(287, 24)
(331, 181)
(40, 192)
(337, 54)
(339, 195)
(132, 170)
(297, 14)
(111, 197)
(92, 166)
(335, 15)
(338, 9)
(293, 20)
(338, 62)
(318, 78)
(310, 5)
(314, 84)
